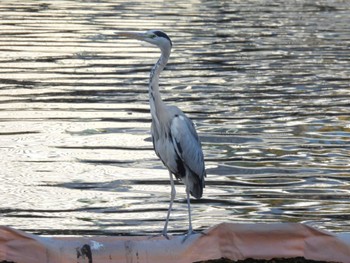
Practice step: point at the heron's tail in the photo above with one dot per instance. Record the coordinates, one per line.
(195, 184)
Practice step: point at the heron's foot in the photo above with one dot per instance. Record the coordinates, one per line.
(189, 233)
(165, 234)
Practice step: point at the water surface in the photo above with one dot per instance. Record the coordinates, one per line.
(266, 82)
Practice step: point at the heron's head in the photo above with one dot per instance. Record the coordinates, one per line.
(155, 37)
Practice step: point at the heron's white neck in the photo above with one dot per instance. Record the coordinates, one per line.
(155, 99)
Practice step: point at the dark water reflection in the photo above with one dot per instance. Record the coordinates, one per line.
(267, 84)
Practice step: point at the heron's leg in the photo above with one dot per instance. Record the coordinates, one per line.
(172, 197)
(190, 230)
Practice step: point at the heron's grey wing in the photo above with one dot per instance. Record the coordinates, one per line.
(187, 144)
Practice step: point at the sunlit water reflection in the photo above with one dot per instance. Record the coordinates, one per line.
(267, 84)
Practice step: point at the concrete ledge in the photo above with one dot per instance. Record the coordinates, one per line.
(226, 240)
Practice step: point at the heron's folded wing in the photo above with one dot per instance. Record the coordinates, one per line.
(187, 144)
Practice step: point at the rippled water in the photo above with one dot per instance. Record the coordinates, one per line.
(266, 82)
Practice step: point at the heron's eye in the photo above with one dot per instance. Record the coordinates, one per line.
(152, 36)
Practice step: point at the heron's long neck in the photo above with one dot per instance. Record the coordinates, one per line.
(155, 99)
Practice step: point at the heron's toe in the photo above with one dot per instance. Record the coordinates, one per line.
(165, 234)
(190, 233)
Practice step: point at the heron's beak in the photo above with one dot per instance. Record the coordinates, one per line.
(139, 36)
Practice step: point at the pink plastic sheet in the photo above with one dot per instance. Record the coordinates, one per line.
(226, 240)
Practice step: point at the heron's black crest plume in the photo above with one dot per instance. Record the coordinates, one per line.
(162, 34)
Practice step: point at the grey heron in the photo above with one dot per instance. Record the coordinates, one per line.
(174, 136)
